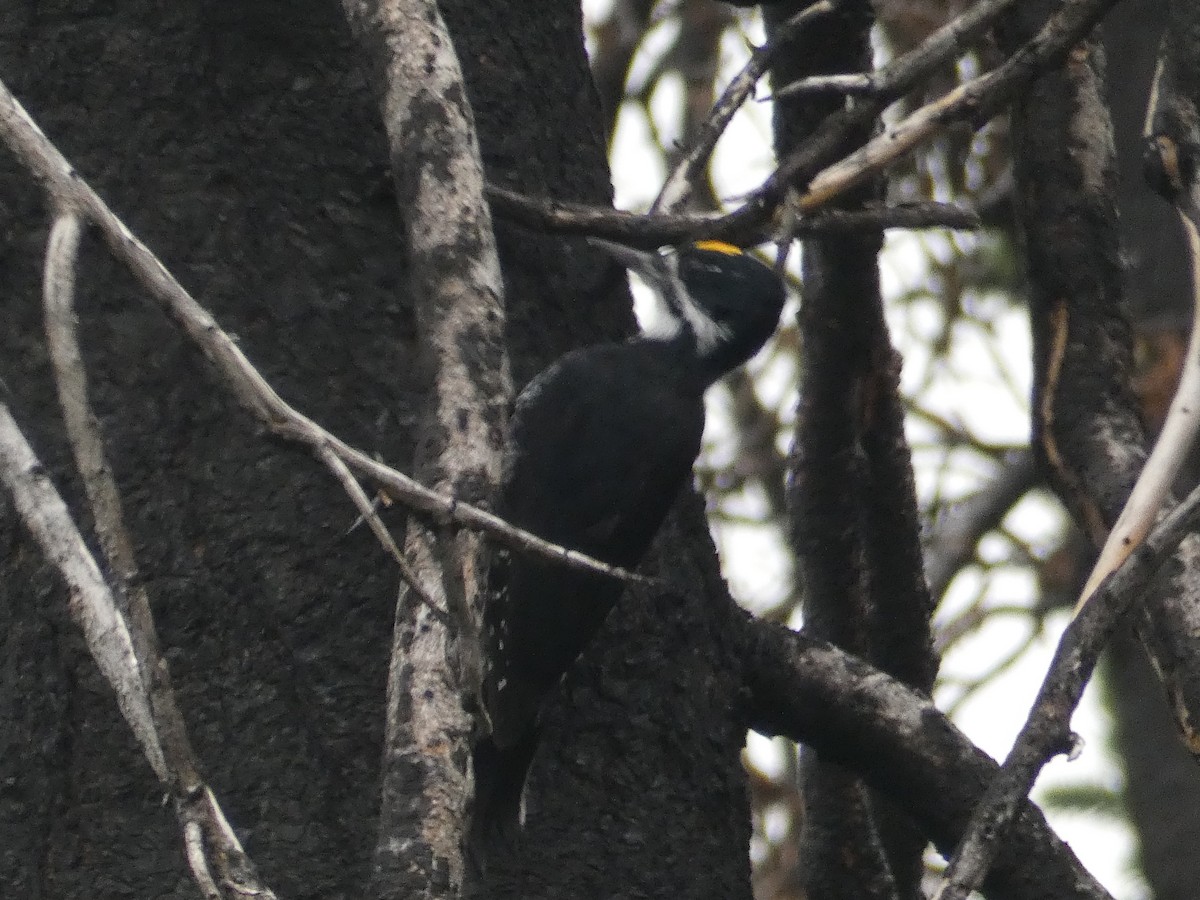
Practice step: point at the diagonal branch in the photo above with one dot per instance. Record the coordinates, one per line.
(1092, 442)
(678, 185)
(819, 158)
(210, 843)
(371, 516)
(93, 607)
(897, 740)
(976, 100)
(1087, 425)
(164, 736)
(1046, 732)
(1172, 139)
(239, 375)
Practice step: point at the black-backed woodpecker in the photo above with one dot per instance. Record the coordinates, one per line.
(600, 444)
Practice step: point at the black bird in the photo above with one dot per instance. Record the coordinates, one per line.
(600, 444)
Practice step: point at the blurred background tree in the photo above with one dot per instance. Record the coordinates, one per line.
(1003, 558)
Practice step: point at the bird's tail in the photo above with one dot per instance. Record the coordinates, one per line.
(499, 783)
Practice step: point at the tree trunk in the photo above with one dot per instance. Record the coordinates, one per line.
(242, 143)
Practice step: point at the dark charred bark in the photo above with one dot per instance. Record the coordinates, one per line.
(1161, 785)
(243, 143)
(1087, 426)
(1090, 439)
(1157, 277)
(1162, 791)
(194, 121)
(902, 747)
(854, 522)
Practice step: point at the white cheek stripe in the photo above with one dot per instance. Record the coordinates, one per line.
(709, 335)
(679, 310)
(664, 327)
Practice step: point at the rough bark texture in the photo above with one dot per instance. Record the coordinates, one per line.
(853, 517)
(1161, 785)
(1157, 278)
(895, 739)
(193, 121)
(610, 810)
(243, 142)
(457, 293)
(1162, 790)
(1087, 425)
(1085, 420)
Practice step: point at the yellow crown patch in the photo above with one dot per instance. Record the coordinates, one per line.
(718, 247)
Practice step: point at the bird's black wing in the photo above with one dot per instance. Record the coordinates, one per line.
(600, 444)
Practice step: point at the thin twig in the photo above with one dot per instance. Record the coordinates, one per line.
(95, 610)
(62, 250)
(248, 386)
(678, 185)
(656, 229)
(850, 85)
(1046, 732)
(369, 515)
(750, 222)
(91, 461)
(166, 743)
(1173, 447)
(976, 99)
(903, 74)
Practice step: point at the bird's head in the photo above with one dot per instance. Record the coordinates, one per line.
(716, 296)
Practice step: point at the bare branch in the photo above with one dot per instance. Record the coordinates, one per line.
(433, 683)
(239, 375)
(166, 741)
(369, 515)
(678, 185)
(897, 740)
(656, 229)
(1046, 732)
(95, 610)
(751, 222)
(977, 99)
(87, 445)
(62, 253)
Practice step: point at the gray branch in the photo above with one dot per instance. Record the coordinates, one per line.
(458, 292)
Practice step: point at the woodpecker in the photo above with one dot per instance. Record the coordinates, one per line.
(600, 444)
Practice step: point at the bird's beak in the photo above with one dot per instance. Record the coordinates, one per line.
(647, 264)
